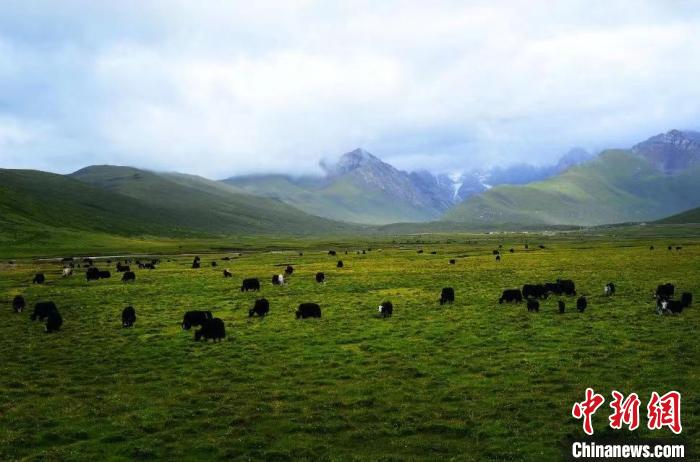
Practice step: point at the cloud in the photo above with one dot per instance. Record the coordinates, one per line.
(223, 88)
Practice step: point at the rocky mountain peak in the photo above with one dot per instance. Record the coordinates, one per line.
(672, 151)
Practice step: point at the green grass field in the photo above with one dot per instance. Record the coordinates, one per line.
(471, 381)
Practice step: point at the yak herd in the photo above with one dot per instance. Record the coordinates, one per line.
(212, 328)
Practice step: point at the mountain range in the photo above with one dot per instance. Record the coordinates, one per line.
(361, 188)
(654, 179)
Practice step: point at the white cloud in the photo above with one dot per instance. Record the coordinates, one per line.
(222, 88)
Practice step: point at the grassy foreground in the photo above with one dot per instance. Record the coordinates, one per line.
(471, 381)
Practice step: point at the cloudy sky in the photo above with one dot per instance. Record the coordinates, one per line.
(223, 87)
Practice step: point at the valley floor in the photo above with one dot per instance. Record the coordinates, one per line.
(474, 380)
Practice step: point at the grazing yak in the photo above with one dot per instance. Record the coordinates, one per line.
(533, 305)
(512, 250)
(308, 310)
(498, 258)
(567, 286)
(277, 279)
(417, 251)
(261, 308)
(651, 247)
(320, 278)
(288, 270)
(553, 288)
(227, 273)
(453, 261)
(386, 309)
(92, 274)
(686, 299)
(195, 263)
(581, 304)
(105, 274)
(54, 321)
(534, 291)
(122, 268)
(67, 272)
(38, 278)
(18, 303)
(665, 291)
(447, 295)
(42, 310)
(128, 316)
(195, 318)
(664, 306)
(511, 296)
(609, 289)
(340, 264)
(129, 276)
(250, 284)
(332, 252)
(562, 306)
(213, 264)
(48, 311)
(211, 329)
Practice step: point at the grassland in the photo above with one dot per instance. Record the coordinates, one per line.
(471, 381)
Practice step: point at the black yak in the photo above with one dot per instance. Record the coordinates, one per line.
(18, 303)
(308, 310)
(128, 276)
(92, 274)
(250, 284)
(128, 316)
(581, 304)
(511, 296)
(261, 308)
(447, 295)
(665, 291)
(195, 318)
(386, 309)
(211, 329)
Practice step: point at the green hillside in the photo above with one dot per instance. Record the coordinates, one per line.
(616, 187)
(687, 217)
(342, 199)
(205, 205)
(33, 199)
(117, 207)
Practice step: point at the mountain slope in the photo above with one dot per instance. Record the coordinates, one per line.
(359, 188)
(687, 217)
(618, 186)
(204, 205)
(32, 199)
